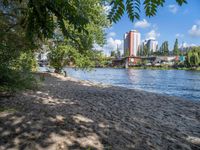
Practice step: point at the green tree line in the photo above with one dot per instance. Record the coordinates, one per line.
(74, 26)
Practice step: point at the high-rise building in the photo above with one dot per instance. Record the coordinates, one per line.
(152, 45)
(132, 43)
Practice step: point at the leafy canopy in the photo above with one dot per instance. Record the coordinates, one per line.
(39, 18)
(133, 8)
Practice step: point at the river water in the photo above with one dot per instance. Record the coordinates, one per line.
(185, 84)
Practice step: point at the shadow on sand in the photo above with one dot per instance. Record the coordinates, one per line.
(67, 115)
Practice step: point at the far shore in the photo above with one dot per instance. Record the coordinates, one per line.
(66, 113)
(157, 68)
(152, 68)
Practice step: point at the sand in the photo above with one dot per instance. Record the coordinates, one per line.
(68, 114)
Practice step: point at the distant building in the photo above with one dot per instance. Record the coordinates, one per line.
(132, 43)
(152, 45)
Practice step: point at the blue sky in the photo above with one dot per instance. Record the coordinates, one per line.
(171, 22)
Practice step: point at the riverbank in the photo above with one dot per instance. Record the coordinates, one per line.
(164, 68)
(66, 113)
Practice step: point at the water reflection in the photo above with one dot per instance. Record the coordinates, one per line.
(172, 82)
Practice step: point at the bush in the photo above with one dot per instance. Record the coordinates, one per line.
(17, 74)
(14, 80)
(26, 62)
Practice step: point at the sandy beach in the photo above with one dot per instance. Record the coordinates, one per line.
(68, 114)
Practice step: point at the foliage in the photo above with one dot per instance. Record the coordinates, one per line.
(151, 52)
(16, 55)
(66, 55)
(13, 80)
(193, 57)
(100, 59)
(164, 50)
(176, 49)
(80, 50)
(16, 75)
(74, 25)
(26, 24)
(56, 58)
(140, 52)
(115, 54)
(118, 54)
(26, 62)
(127, 53)
(112, 54)
(145, 50)
(132, 7)
(12, 37)
(39, 18)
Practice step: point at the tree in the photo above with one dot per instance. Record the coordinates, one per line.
(145, 50)
(80, 23)
(40, 18)
(164, 50)
(83, 49)
(148, 49)
(118, 54)
(16, 51)
(100, 59)
(26, 24)
(112, 53)
(193, 57)
(176, 49)
(64, 55)
(132, 7)
(57, 58)
(127, 53)
(140, 51)
(151, 52)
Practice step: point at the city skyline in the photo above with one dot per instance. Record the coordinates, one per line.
(171, 22)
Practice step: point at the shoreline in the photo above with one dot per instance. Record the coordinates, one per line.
(66, 113)
(103, 85)
(140, 89)
(99, 84)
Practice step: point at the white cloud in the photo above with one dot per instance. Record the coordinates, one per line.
(195, 30)
(111, 45)
(153, 34)
(142, 24)
(111, 34)
(179, 35)
(173, 8)
(184, 45)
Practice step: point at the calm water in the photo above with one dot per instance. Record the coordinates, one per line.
(180, 83)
